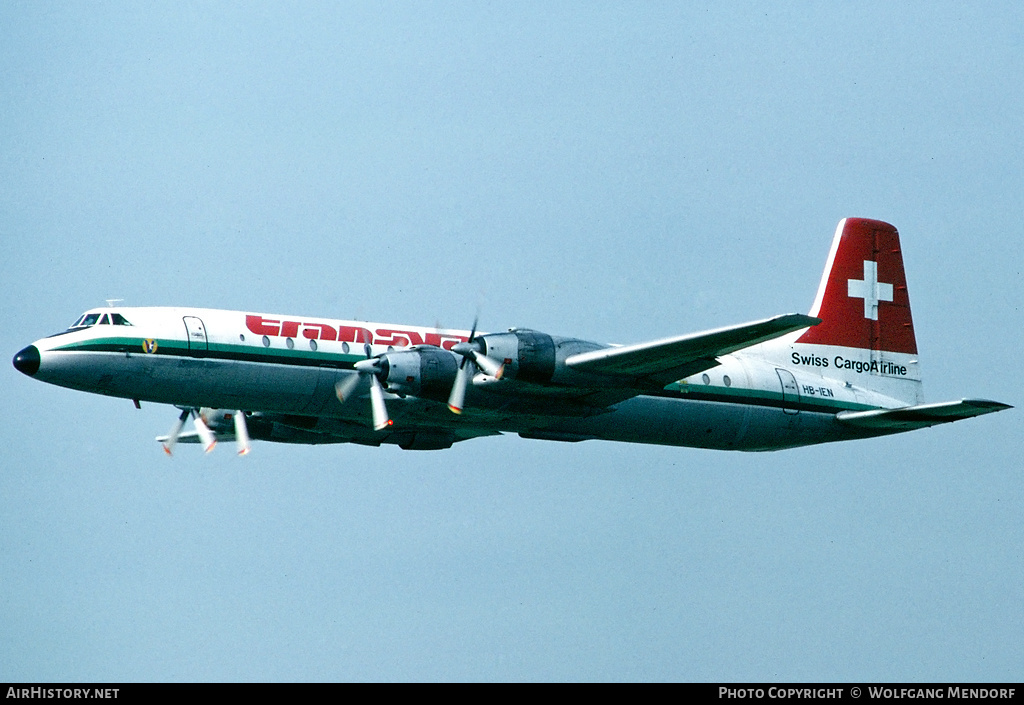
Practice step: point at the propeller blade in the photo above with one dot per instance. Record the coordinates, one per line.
(205, 434)
(241, 433)
(471, 352)
(377, 405)
(458, 396)
(365, 370)
(172, 438)
(346, 388)
(488, 365)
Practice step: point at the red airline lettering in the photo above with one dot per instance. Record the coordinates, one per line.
(353, 334)
(445, 341)
(399, 338)
(350, 334)
(319, 331)
(259, 326)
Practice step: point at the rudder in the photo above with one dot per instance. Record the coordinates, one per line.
(862, 299)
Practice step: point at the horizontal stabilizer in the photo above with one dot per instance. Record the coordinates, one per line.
(665, 361)
(910, 417)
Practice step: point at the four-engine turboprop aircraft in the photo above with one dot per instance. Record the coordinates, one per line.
(848, 370)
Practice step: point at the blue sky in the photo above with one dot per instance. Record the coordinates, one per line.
(615, 172)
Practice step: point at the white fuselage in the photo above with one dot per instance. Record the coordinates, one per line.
(287, 368)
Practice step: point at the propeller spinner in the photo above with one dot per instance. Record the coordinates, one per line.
(472, 353)
(372, 368)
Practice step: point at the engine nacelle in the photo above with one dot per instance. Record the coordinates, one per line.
(422, 371)
(532, 356)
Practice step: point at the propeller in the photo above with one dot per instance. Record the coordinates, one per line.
(172, 438)
(206, 436)
(472, 352)
(242, 434)
(368, 369)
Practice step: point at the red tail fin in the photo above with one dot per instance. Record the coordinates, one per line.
(862, 300)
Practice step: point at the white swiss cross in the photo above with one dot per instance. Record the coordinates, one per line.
(869, 289)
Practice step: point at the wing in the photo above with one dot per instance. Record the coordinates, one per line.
(920, 416)
(662, 362)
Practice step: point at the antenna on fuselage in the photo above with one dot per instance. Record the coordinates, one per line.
(111, 302)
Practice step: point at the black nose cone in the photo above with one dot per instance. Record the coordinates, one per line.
(27, 360)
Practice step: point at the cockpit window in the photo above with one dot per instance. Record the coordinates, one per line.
(87, 320)
(92, 319)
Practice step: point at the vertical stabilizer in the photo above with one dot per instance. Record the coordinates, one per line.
(866, 335)
(862, 300)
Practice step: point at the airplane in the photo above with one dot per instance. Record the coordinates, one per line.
(847, 370)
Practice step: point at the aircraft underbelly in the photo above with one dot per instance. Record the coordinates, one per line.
(99, 373)
(199, 382)
(706, 424)
(309, 391)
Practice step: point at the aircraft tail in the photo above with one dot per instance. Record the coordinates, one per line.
(866, 335)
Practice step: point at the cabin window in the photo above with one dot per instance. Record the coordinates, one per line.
(728, 382)
(290, 343)
(266, 342)
(312, 345)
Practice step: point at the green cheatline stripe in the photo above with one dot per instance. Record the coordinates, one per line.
(342, 361)
(218, 351)
(758, 397)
